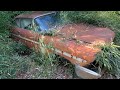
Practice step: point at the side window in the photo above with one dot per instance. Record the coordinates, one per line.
(26, 24)
(17, 22)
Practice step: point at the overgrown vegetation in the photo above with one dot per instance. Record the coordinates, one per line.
(6, 19)
(11, 64)
(109, 59)
(14, 58)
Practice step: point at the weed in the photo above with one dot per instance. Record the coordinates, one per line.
(109, 58)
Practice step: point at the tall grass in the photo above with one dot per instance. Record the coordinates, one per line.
(11, 63)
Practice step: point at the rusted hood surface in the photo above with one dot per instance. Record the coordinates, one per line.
(87, 33)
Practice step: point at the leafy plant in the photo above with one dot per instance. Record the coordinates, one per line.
(45, 59)
(109, 58)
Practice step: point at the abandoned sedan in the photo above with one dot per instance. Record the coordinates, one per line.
(75, 42)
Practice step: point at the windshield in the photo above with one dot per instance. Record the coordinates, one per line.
(46, 22)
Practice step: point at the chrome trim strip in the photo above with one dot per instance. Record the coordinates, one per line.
(66, 54)
(79, 59)
(56, 50)
(26, 39)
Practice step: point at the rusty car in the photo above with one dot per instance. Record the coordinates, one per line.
(76, 42)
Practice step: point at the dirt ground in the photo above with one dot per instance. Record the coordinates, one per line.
(61, 72)
(64, 70)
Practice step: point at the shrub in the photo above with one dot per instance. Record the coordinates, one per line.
(109, 58)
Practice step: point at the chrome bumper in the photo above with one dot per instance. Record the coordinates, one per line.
(85, 73)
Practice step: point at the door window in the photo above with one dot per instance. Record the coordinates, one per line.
(24, 23)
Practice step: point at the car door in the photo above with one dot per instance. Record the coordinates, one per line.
(23, 31)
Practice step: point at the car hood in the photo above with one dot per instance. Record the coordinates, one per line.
(86, 33)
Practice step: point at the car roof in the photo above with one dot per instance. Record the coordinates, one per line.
(34, 14)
